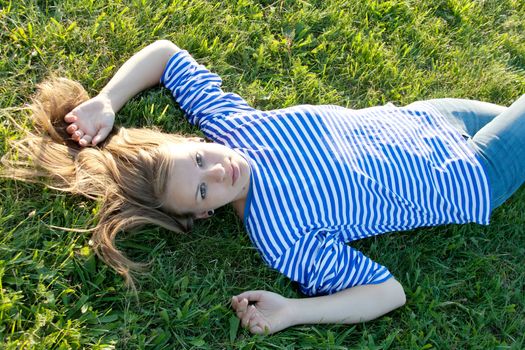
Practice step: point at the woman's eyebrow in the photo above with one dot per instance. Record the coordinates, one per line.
(193, 160)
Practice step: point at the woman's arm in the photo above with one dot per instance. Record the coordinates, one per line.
(92, 121)
(266, 312)
(143, 70)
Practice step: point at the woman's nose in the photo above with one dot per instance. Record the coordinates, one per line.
(217, 172)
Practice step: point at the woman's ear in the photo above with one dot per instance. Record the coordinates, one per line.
(196, 139)
(205, 214)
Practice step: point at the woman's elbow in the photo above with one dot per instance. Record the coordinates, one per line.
(166, 47)
(398, 293)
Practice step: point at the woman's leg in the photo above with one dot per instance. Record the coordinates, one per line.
(468, 116)
(500, 146)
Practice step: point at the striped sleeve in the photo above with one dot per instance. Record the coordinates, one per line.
(198, 91)
(323, 264)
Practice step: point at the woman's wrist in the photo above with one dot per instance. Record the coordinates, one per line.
(295, 311)
(111, 100)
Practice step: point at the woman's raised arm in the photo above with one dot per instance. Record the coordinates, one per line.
(143, 70)
(92, 121)
(266, 312)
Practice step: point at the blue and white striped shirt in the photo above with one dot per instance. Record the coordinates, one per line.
(323, 176)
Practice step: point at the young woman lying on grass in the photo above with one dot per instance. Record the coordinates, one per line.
(304, 180)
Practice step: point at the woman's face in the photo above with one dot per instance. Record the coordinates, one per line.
(205, 176)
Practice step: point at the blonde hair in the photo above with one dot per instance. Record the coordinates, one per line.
(127, 173)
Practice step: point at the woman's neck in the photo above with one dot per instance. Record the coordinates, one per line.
(239, 206)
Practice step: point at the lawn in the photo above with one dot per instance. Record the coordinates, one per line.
(465, 285)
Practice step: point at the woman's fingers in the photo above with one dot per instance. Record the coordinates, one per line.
(72, 128)
(256, 329)
(85, 140)
(250, 312)
(70, 118)
(255, 320)
(240, 307)
(249, 315)
(258, 325)
(77, 135)
(102, 134)
(235, 302)
(253, 295)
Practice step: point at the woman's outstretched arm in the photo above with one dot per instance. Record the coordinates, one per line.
(265, 312)
(92, 121)
(143, 70)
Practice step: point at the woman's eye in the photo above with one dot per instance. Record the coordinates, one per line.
(198, 159)
(203, 190)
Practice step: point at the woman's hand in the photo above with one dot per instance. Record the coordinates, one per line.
(271, 312)
(262, 312)
(91, 121)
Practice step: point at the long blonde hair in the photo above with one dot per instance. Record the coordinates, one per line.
(127, 173)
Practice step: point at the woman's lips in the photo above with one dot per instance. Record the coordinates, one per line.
(235, 173)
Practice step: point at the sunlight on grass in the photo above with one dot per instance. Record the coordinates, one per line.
(464, 284)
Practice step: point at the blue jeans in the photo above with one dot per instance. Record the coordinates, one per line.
(497, 135)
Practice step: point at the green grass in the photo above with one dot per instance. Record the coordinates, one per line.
(464, 284)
